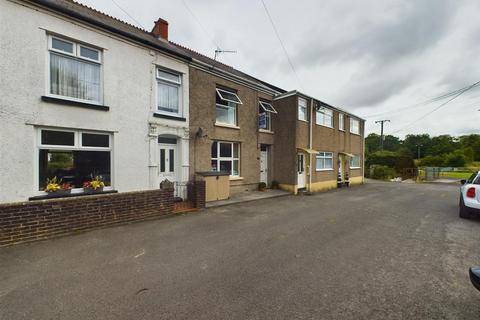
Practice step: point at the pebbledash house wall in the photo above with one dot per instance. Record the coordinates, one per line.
(203, 115)
(129, 90)
(295, 134)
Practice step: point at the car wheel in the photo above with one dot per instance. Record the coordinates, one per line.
(463, 212)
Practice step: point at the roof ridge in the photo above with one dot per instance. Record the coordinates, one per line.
(107, 15)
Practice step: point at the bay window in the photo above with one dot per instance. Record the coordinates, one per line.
(265, 115)
(354, 126)
(324, 161)
(75, 71)
(226, 107)
(226, 157)
(169, 92)
(325, 117)
(73, 157)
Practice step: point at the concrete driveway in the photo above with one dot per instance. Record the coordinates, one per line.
(380, 251)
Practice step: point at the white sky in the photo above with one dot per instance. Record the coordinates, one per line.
(369, 57)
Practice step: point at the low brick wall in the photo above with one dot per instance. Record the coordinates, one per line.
(196, 194)
(43, 219)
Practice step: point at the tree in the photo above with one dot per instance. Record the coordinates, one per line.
(442, 144)
(455, 159)
(373, 143)
(413, 141)
(471, 141)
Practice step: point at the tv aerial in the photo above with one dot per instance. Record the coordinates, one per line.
(218, 51)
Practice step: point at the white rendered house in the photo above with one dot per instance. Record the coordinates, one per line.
(83, 95)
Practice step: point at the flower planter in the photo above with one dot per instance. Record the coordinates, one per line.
(59, 193)
(91, 190)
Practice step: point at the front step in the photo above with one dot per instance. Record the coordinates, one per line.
(304, 192)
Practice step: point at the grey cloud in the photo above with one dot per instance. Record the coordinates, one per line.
(414, 28)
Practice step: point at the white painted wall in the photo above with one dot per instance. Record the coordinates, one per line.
(129, 90)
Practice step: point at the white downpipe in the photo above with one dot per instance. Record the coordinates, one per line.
(310, 144)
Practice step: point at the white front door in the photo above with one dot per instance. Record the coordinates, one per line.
(300, 170)
(264, 164)
(168, 162)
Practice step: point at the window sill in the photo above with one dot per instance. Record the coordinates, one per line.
(235, 178)
(356, 134)
(165, 116)
(323, 170)
(74, 103)
(355, 168)
(80, 194)
(266, 131)
(343, 130)
(225, 125)
(303, 120)
(322, 125)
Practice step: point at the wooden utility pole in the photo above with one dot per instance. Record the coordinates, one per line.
(381, 131)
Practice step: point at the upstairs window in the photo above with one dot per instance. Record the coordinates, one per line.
(265, 115)
(226, 106)
(169, 85)
(302, 109)
(354, 126)
(325, 117)
(75, 70)
(341, 122)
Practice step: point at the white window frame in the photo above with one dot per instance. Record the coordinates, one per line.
(268, 109)
(300, 106)
(76, 147)
(75, 55)
(359, 162)
(353, 120)
(179, 84)
(231, 159)
(323, 114)
(227, 106)
(324, 155)
(219, 92)
(341, 122)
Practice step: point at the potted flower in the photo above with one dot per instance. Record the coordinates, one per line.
(55, 187)
(93, 186)
(275, 185)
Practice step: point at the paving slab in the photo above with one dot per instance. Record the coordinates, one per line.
(248, 196)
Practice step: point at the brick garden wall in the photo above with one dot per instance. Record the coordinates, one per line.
(43, 219)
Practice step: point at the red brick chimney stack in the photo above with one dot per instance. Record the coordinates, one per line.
(160, 30)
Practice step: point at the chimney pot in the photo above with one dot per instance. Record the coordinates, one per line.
(160, 29)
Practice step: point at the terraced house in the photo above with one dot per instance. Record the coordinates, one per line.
(323, 143)
(85, 95)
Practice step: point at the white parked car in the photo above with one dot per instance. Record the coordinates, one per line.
(470, 196)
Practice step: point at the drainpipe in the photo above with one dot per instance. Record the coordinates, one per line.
(310, 144)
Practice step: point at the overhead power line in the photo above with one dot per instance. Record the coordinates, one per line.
(281, 43)
(201, 25)
(439, 107)
(441, 97)
(125, 11)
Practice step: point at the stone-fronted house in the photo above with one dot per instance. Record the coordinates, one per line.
(231, 124)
